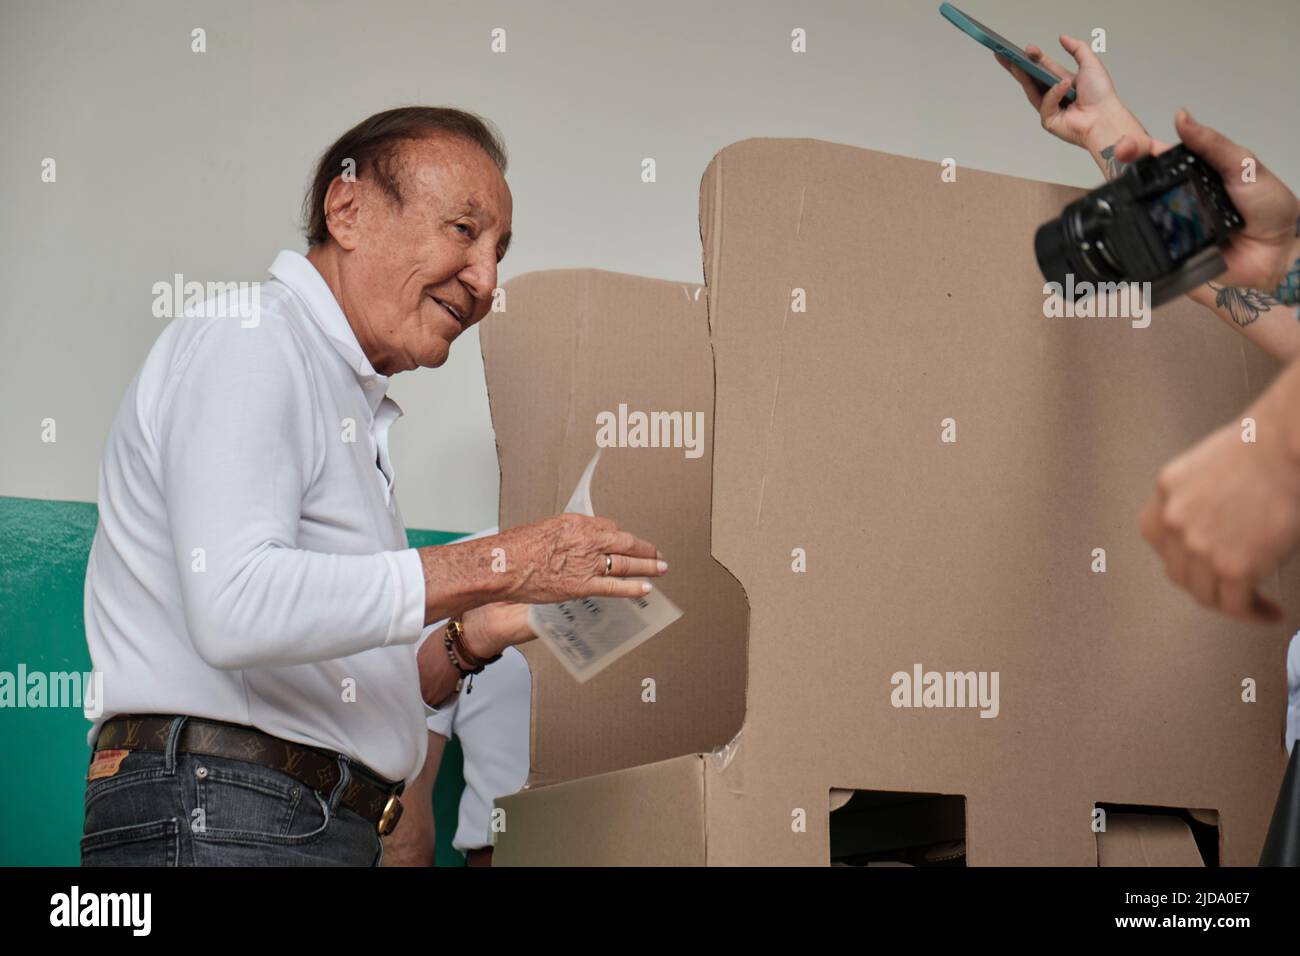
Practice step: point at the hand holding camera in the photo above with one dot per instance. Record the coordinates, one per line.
(1259, 254)
(1256, 252)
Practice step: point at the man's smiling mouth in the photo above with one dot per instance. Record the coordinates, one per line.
(450, 310)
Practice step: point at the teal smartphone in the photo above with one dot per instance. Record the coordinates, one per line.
(973, 28)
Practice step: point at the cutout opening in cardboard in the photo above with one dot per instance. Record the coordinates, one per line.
(897, 828)
(1142, 835)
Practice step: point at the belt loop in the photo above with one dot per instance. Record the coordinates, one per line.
(345, 778)
(173, 741)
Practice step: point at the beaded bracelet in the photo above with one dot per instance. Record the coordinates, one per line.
(454, 641)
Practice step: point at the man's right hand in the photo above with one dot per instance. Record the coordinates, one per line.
(563, 557)
(552, 560)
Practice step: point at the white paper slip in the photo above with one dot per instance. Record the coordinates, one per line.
(589, 634)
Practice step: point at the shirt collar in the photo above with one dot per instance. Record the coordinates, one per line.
(297, 272)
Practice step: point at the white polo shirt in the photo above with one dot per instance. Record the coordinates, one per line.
(250, 563)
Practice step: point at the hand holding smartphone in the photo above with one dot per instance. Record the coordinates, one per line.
(998, 44)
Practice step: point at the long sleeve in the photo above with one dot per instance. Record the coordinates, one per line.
(238, 448)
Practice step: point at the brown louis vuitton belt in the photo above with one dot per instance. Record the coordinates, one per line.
(367, 794)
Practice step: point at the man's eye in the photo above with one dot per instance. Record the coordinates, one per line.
(465, 226)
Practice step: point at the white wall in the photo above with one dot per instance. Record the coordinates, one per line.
(170, 161)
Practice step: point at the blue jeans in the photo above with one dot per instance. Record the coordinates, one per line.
(164, 808)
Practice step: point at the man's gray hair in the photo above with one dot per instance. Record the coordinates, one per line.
(373, 144)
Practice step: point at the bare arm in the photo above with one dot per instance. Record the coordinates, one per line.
(1099, 122)
(438, 675)
(488, 631)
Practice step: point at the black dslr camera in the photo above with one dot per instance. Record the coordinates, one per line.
(1163, 221)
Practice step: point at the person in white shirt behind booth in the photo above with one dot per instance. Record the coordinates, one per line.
(270, 646)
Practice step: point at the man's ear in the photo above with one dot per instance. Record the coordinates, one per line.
(342, 205)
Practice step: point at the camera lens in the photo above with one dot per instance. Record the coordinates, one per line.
(1050, 250)
(1078, 243)
(1088, 223)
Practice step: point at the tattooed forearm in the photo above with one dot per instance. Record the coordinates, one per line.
(1114, 167)
(1288, 293)
(1243, 305)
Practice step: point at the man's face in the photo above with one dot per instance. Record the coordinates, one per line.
(411, 268)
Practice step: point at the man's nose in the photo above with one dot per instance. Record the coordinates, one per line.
(480, 274)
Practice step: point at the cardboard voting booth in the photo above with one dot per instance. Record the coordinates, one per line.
(920, 623)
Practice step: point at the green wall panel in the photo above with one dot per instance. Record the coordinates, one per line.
(43, 550)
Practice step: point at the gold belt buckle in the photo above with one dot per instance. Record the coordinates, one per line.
(392, 813)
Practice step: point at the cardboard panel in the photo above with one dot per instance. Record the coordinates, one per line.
(646, 816)
(570, 345)
(1137, 839)
(924, 303)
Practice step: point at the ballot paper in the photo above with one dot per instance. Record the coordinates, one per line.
(588, 634)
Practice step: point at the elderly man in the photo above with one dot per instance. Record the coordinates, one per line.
(267, 639)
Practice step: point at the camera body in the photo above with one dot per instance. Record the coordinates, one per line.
(1163, 221)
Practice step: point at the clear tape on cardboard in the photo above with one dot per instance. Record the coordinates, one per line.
(589, 634)
(722, 755)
